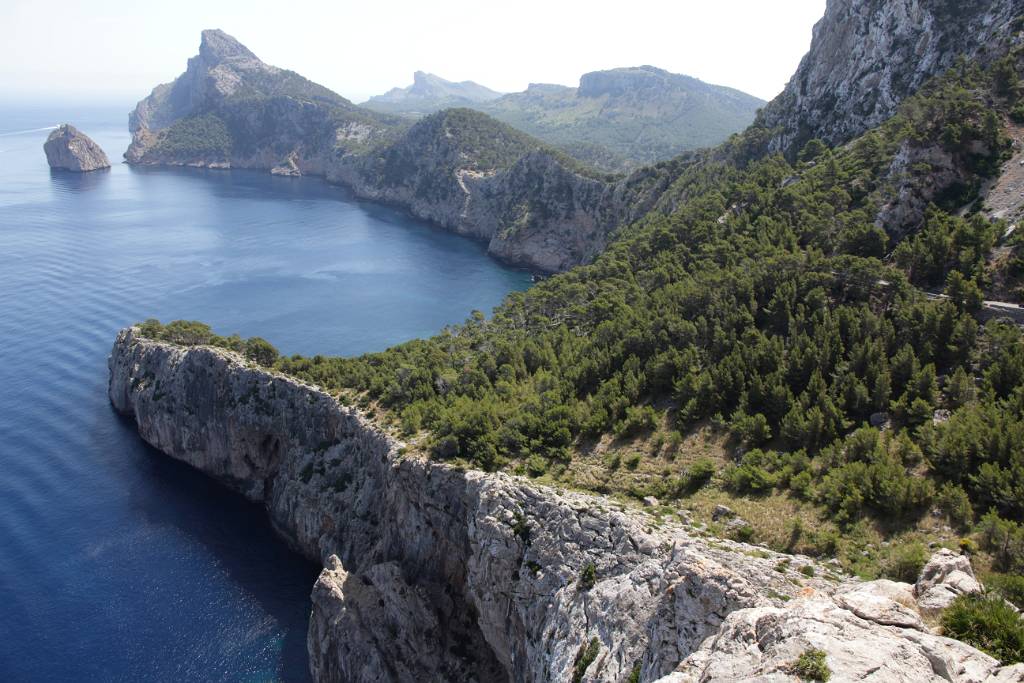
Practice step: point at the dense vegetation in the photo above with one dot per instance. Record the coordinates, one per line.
(204, 136)
(987, 623)
(442, 143)
(767, 308)
(194, 333)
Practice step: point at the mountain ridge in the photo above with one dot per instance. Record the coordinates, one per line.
(615, 119)
(429, 93)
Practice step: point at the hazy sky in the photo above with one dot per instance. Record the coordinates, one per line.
(117, 50)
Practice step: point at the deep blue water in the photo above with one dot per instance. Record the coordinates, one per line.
(117, 563)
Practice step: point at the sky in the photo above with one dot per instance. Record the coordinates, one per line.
(117, 50)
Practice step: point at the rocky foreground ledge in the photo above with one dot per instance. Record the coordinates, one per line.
(434, 573)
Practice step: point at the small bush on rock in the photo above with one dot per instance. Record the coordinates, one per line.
(584, 658)
(812, 666)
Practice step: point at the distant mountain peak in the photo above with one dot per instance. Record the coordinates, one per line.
(217, 46)
(430, 92)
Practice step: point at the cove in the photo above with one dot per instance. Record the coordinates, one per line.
(117, 563)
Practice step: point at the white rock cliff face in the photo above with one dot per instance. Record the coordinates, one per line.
(69, 149)
(433, 573)
(867, 56)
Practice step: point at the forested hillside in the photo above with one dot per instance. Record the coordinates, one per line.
(762, 339)
(742, 346)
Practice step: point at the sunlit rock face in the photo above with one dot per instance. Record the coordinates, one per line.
(867, 56)
(69, 149)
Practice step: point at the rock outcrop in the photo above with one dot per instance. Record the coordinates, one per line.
(435, 573)
(945, 577)
(69, 149)
(231, 110)
(867, 56)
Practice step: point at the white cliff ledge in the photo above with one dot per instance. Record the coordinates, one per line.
(433, 573)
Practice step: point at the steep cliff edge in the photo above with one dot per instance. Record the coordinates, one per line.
(867, 56)
(434, 573)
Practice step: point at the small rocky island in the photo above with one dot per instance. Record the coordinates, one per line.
(69, 149)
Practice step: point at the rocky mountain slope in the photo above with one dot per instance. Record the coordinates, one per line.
(435, 573)
(867, 56)
(627, 117)
(615, 120)
(429, 93)
(459, 169)
(69, 149)
(229, 109)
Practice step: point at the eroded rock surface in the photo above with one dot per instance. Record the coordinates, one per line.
(436, 573)
(867, 56)
(69, 149)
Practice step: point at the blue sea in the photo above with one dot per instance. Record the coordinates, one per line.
(116, 562)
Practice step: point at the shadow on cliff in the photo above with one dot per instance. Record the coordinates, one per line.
(237, 533)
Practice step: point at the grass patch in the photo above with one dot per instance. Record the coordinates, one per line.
(987, 623)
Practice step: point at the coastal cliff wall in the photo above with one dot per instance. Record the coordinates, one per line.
(435, 573)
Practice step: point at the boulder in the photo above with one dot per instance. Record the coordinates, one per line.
(69, 149)
(946, 576)
(722, 512)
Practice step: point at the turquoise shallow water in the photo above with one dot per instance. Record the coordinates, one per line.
(117, 563)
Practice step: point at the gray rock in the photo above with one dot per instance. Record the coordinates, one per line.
(651, 502)
(69, 149)
(946, 576)
(883, 602)
(722, 512)
(867, 56)
(879, 420)
(433, 573)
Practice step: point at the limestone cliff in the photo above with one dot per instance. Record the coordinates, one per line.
(231, 110)
(867, 56)
(434, 573)
(69, 149)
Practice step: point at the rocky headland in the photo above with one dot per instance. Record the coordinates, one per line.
(436, 573)
(69, 149)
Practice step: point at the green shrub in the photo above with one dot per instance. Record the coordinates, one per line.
(536, 465)
(584, 658)
(638, 419)
(987, 623)
(906, 562)
(1008, 586)
(954, 502)
(1003, 538)
(812, 665)
(699, 473)
(588, 577)
(261, 351)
